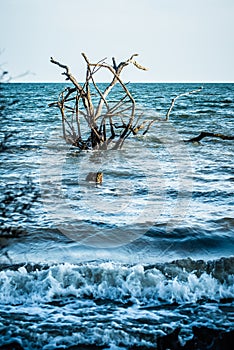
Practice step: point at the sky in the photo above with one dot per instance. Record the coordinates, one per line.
(177, 40)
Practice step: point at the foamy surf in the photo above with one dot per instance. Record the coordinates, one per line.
(114, 305)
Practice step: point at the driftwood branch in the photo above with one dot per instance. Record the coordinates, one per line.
(170, 108)
(209, 134)
(175, 98)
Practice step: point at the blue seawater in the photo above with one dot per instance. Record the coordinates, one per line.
(129, 264)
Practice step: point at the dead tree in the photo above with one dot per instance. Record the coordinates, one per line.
(91, 119)
(105, 125)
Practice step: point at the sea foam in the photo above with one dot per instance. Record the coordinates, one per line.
(110, 281)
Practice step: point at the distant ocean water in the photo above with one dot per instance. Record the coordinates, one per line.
(143, 261)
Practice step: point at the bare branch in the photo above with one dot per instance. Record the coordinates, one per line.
(175, 98)
(116, 71)
(93, 81)
(86, 100)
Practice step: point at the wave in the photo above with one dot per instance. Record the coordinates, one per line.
(180, 281)
(107, 305)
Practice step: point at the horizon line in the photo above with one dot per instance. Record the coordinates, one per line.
(129, 82)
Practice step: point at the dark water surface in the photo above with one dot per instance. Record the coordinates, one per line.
(124, 264)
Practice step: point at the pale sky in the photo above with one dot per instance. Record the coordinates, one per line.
(178, 40)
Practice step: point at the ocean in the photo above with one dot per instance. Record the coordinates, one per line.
(144, 260)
